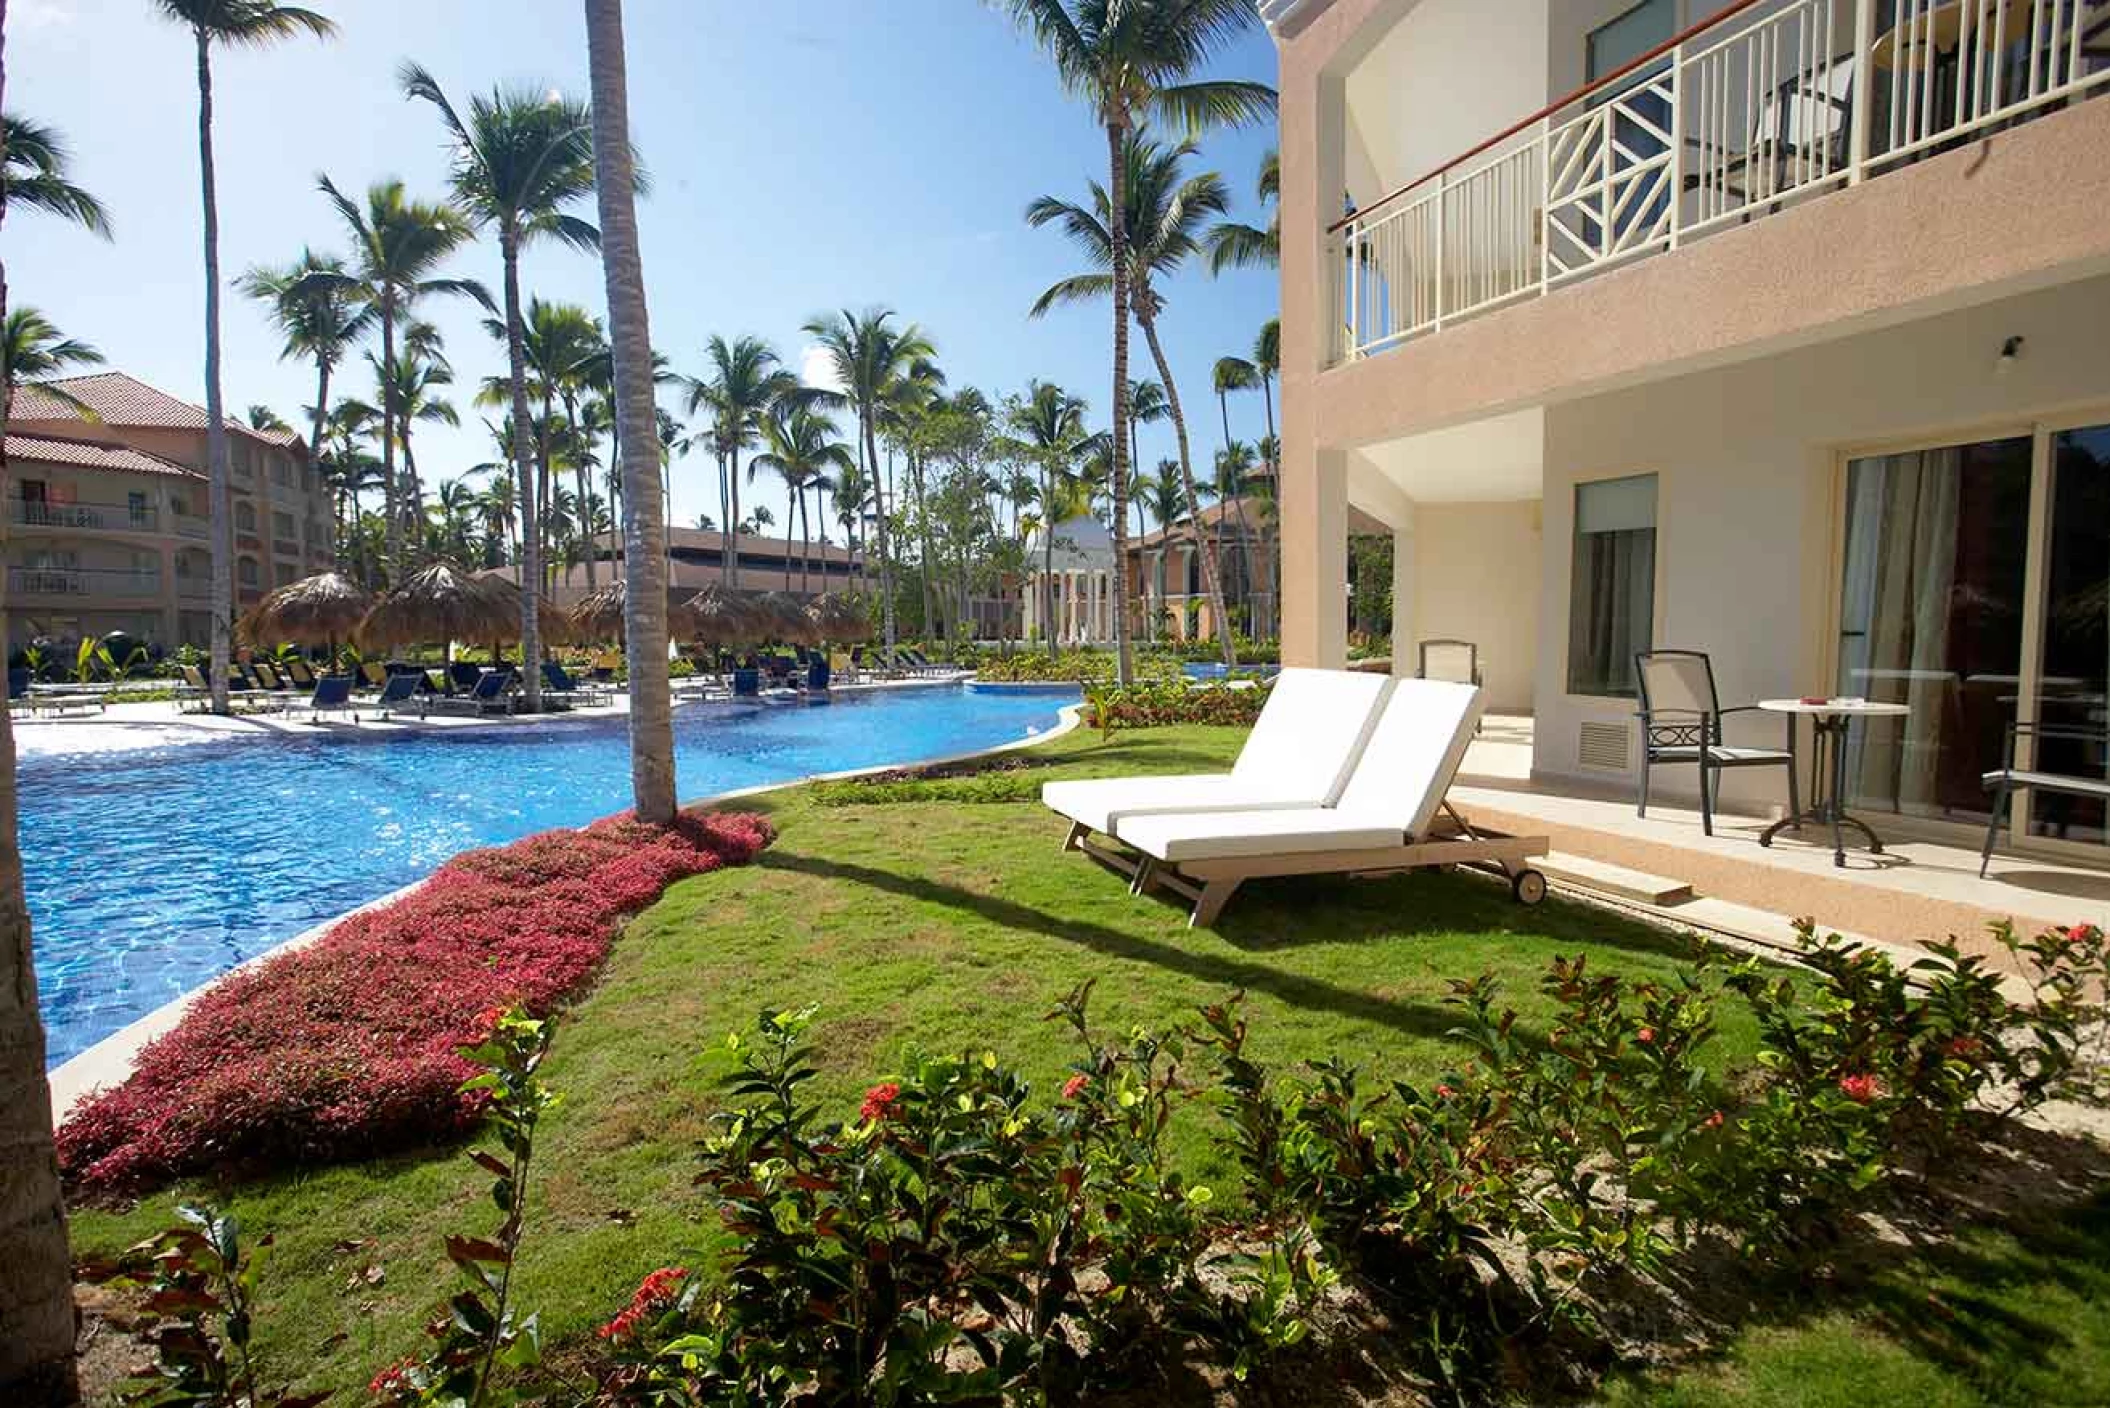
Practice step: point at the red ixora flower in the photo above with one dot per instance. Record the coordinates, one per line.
(2080, 934)
(1075, 1084)
(1713, 1121)
(654, 1294)
(1445, 1091)
(1860, 1088)
(487, 1020)
(392, 1380)
(879, 1102)
(1646, 1036)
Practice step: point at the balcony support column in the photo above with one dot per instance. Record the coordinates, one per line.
(1314, 556)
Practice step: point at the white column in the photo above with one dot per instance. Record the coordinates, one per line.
(1406, 627)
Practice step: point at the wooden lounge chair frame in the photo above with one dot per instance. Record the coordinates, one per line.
(1208, 885)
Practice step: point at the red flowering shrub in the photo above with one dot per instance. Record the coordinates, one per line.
(348, 1045)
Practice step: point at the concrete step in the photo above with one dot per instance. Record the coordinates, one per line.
(1616, 881)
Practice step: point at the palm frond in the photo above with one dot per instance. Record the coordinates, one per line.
(1079, 288)
(1205, 106)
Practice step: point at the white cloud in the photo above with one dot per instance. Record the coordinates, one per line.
(40, 14)
(817, 369)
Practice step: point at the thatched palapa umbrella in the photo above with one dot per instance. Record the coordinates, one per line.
(599, 616)
(841, 619)
(786, 619)
(554, 625)
(719, 618)
(318, 610)
(439, 603)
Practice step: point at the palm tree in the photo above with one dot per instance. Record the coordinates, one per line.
(802, 449)
(498, 507)
(1146, 406)
(254, 24)
(872, 361)
(1234, 471)
(1165, 493)
(1049, 425)
(520, 157)
(317, 314)
(1166, 212)
(565, 347)
(746, 379)
(410, 383)
(853, 500)
(1236, 246)
(644, 530)
(33, 349)
(1129, 59)
(397, 244)
(33, 176)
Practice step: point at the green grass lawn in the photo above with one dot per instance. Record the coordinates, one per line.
(943, 917)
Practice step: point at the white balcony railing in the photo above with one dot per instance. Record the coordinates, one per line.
(82, 581)
(1770, 103)
(92, 517)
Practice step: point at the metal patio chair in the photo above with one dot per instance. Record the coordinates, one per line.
(1681, 724)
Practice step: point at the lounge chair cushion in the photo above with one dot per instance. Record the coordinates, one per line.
(1299, 753)
(1189, 836)
(1414, 751)
(1100, 802)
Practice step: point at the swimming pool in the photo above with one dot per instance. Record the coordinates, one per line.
(152, 870)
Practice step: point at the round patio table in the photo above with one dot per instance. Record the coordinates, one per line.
(1829, 721)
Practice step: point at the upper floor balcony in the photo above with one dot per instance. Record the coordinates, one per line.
(1761, 106)
(135, 515)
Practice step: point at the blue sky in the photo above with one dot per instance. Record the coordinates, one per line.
(807, 155)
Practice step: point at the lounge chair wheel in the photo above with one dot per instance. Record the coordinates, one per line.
(1529, 886)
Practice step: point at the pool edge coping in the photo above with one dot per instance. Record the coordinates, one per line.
(109, 1062)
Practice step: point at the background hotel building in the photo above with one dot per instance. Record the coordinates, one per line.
(106, 519)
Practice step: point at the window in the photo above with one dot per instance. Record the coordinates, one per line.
(282, 525)
(1611, 584)
(244, 518)
(246, 569)
(1628, 37)
(282, 474)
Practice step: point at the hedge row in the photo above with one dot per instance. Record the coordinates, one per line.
(350, 1045)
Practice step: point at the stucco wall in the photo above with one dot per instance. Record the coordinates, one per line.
(1476, 578)
(1748, 459)
(1451, 74)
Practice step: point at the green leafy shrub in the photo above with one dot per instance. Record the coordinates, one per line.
(1158, 705)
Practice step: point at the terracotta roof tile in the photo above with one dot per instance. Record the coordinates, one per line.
(83, 454)
(124, 400)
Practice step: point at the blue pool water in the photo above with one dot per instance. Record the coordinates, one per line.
(151, 871)
(1214, 669)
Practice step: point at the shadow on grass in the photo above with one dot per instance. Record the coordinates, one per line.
(1433, 1020)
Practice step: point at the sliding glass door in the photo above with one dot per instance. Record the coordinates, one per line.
(1976, 592)
(2071, 685)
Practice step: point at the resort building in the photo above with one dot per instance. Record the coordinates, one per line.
(1778, 330)
(108, 525)
(1164, 573)
(696, 557)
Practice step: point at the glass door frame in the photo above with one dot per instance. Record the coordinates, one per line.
(2040, 429)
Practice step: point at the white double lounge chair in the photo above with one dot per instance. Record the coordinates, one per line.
(1343, 773)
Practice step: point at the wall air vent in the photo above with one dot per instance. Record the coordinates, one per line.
(1603, 747)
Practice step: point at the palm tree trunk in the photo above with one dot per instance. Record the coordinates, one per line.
(524, 464)
(791, 521)
(36, 1295)
(644, 528)
(725, 526)
(220, 508)
(885, 493)
(322, 409)
(391, 492)
(732, 524)
(1212, 584)
(1047, 542)
(1117, 230)
(806, 544)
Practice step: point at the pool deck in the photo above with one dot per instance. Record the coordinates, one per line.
(171, 723)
